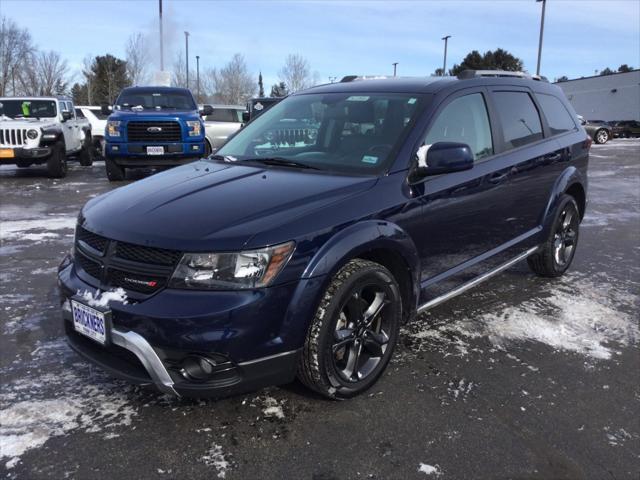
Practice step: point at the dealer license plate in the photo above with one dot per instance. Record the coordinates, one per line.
(89, 322)
(155, 150)
(6, 153)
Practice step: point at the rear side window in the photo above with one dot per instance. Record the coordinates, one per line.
(79, 113)
(464, 120)
(558, 118)
(519, 118)
(225, 115)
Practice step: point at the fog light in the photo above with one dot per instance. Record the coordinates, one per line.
(195, 147)
(197, 367)
(115, 148)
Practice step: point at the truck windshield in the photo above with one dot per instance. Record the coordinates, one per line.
(150, 99)
(341, 132)
(23, 108)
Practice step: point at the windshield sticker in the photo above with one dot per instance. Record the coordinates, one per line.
(357, 98)
(370, 159)
(412, 101)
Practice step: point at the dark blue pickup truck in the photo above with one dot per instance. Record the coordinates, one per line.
(301, 251)
(153, 127)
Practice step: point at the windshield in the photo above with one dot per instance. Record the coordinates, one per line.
(339, 132)
(28, 108)
(150, 99)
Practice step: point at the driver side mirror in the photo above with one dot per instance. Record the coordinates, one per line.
(206, 110)
(446, 157)
(66, 115)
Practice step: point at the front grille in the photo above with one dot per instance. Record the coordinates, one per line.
(94, 241)
(138, 131)
(13, 136)
(118, 264)
(151, 255)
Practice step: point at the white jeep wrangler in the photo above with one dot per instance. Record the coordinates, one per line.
(43, 130)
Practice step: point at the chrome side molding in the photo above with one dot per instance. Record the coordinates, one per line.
(476, 281)
(136, 344)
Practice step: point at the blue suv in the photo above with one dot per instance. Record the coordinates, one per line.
(304, 243)
(153, 127)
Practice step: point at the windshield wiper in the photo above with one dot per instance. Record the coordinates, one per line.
(280, 162)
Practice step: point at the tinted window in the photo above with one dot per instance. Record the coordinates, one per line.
(225, 115)
(519, 118)
(464, 120)
(79, 113)
(28, 108)
(558, 118)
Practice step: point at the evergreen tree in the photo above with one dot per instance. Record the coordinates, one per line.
(491, 60)
(279, 90)
(260, 86)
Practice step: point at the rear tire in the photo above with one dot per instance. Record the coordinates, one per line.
(115, 173)
(86, 154)
(557, 252)
(57, 162)
(354, 331)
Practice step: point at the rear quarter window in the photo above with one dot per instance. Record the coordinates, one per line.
(519, 118)
(225, 115)
(557, 115)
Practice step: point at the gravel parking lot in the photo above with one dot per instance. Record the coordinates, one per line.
(520, 378)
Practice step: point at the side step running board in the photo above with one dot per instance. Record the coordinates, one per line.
(476, 281)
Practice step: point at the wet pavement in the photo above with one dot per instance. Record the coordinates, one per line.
(521, 378)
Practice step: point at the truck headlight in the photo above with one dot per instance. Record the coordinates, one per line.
(32, 134)
(113, 128)
(195, 128)
(231, 271)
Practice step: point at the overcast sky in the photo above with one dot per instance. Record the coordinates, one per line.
(344, 37)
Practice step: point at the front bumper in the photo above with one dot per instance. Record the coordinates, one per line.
(30, 155)
(135, 154)
(243, 332)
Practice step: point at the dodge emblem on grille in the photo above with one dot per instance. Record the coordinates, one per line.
(135, 281)
(154, 129)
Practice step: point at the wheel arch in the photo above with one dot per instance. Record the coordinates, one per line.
(570, 182)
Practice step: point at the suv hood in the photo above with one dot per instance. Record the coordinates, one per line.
(210, 206)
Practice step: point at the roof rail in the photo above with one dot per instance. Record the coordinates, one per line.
(348, 78)
(465, 74)
(351, 78)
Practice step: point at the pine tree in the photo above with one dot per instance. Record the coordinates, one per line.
(260, 86)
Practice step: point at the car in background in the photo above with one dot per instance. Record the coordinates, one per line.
(224, 120)
(626, 129)
(98, 121)
(599, 130)
(259, 105)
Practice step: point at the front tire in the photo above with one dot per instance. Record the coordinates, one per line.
(354, 331)
(115, 173)
(557, 252)
(86, 154)
(57, 162)
(601, 136)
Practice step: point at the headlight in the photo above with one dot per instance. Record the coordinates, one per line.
(231, 271)
(32, 134)
(195, 128)
(113, 128)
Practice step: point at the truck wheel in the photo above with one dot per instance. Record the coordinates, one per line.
(354, 331)
(115, 173)
(602, 136)
(557, 252)
(57, 162)
(86, 154)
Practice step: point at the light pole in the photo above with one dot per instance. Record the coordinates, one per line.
(161, 37)
(444, 64)
(186, 44)
(544, 4)
(198, 77)
(395, 64)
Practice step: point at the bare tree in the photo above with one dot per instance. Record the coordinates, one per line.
(179, 73)
(43, 73)
(296, 73)
(232, 84)
(138, 59)
(15, 48)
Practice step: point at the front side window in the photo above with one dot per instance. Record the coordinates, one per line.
(558, 118)
(341, 132)
(519, 118)
(464, 120)
(153, 99)
(28, 108)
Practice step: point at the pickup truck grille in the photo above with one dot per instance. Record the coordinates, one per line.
(13, 137)
(113, 264)
(138, 131)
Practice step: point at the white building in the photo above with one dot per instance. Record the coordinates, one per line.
(605, 97)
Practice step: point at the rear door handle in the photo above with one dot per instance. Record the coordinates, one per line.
(498, 177)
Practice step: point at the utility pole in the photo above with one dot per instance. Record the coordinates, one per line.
(444, 64)
(186, 42)
(395, 64)
(544, 4)
(161, 38)
(198, 77)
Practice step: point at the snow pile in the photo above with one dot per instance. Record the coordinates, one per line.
(44, 228)
(102, 299)
(272, 409)
(215, 458)
(429, 469)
